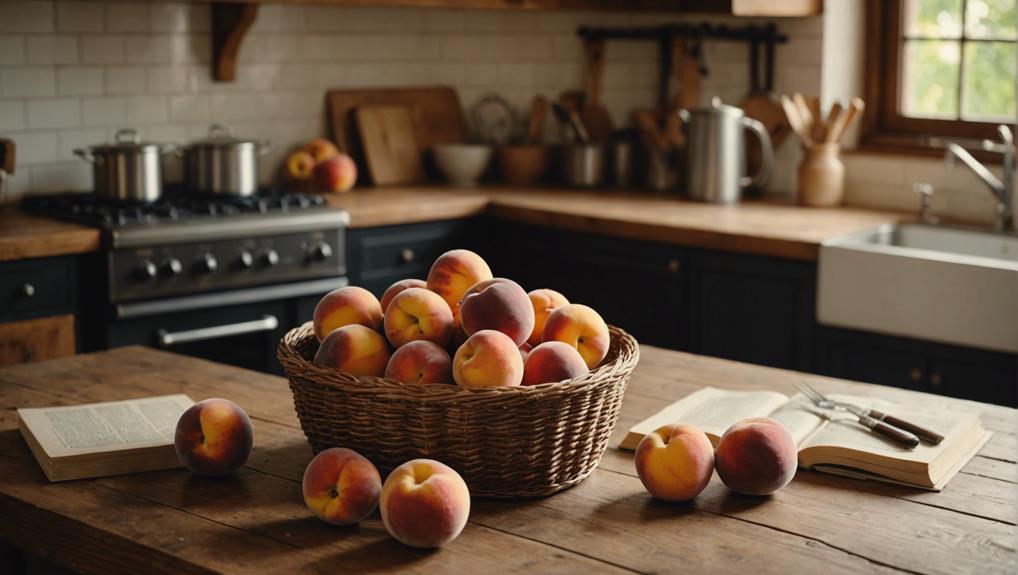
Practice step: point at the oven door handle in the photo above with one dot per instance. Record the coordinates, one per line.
(266, 323)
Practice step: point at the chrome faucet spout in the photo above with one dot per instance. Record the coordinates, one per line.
(1001, 189)
(984, 174)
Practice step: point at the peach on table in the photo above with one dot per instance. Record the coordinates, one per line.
(213, 437)
(341, 486)
(756, 456)
(675, 462)
(424, 503)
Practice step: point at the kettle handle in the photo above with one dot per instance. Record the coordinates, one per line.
(767, 156)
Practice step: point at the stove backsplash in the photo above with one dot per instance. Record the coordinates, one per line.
(71, 73)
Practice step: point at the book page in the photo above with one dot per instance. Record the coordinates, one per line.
(798, 418)
(102, 427)
(711, 409)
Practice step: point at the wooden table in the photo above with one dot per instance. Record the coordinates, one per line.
(255, 521)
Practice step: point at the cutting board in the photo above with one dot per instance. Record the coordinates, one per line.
(434, 111)
(389, 144)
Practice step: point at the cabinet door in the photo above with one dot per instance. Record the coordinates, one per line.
(633, 285)
(753, 309)
(36, 339)
(872, 358)
(976, 375)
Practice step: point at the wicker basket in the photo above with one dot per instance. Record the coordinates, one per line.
(505, 442)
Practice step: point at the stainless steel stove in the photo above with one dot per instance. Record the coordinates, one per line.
(205, 275)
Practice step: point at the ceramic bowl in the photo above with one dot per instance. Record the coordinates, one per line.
(462, 164)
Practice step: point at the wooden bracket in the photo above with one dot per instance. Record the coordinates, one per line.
(230, 22)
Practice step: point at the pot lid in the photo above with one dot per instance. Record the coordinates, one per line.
(219, 136)
(126, 140)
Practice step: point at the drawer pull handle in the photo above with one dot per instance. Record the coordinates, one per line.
(407, 255)
(266, 323)
(935, 379)
(28, 290)
(915, 375)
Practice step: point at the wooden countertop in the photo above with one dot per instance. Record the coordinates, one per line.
(26, 236)
(255, 521)
(768, 228)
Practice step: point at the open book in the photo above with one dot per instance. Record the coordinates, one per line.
(840, 445)
(98, 439)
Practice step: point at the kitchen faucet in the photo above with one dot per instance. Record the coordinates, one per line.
(1003, 191)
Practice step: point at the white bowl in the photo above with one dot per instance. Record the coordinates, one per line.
(462, 164)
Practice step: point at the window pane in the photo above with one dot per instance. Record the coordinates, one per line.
(988, 83)
(932, 18)
(929, 78)
(990, 19)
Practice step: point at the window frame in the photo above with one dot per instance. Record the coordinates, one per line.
(884, 128)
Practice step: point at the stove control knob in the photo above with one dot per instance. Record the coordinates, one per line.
(246, 259)
(146, 270)
(208, 263)
(173, 267)
(320, 251)
(270, 257)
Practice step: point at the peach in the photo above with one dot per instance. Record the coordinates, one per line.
(675, 462)
(300, 166)
(399, 286)
(552, 361)
(756, 456)
(499, 304)
(354, 349)
(320, 149)
(420, 361)
(336, 174)
(345, 306)
(580, 327)
(544, 302)
(417, 313)
(424, 503)
(213, 437)
(341, 486)
(525, 350)
(453, 273)
(488, 359)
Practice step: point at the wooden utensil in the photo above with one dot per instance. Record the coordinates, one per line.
(535, 123)
(435, 111)
(805, 115)
(7, 155)
(650, 132)
(596, 118)
(686, 73)
(818, 118)
(572, 100)
(390, 150)
(572, 119)
(845, 119)
(832, 117)
(762, 105)
(795, 119)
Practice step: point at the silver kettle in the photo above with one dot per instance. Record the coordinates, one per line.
(716, 157)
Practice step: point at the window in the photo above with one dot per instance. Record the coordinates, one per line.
(939, 68)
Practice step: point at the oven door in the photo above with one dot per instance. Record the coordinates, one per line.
(239, 328)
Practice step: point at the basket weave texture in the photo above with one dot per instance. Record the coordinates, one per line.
(505, 442)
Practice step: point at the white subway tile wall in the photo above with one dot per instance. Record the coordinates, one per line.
(73, 72)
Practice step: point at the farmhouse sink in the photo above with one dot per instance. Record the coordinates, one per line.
(942, 284)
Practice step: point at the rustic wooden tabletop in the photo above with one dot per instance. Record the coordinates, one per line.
(255, 521)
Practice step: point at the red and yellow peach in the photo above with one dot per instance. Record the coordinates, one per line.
(355, 349)
(581, 327)
(397, 287)
(552, 361)
(420, 361)
(415, 314)
(453, 273)
(499, 304)
(424, 503)
(544, 301)
(213, 437)
(488, 359)
(345, 306)
(675, 462)
(341, 486)
(756, 456)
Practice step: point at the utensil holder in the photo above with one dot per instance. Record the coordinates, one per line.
(821, 176)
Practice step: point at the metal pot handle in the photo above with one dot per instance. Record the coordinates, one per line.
(219, 131)
(767, 155)
(127, 135)
(263, 147)
(85, 155)
(170, 149)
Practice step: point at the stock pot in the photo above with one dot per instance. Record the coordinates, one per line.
(223, 164)
(127, 169)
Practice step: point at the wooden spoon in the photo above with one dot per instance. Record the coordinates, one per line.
(795, 119)
(535, 124)
(845, 119)
(595, 117)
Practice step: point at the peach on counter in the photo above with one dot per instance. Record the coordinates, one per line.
(336, 174)
(552, 361)
(499, 304)
(582, 328)
(453, 273)
(341, 486)
(488, 359)
(320, 149)
(213, 437)
(675, 462)
(393, 290)
(420, 361)
(424, 503)
(544, 301)
(355, 349)
(300, 166)
(345, 306)
(415, 314)
(756, 456)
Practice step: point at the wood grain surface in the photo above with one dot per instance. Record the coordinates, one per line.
(38, 339)
(26, 236)
(255, 521)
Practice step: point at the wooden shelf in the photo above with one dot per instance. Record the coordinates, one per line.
(230, 22)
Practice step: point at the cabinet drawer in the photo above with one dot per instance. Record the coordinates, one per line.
(392, 253)
(36, 339)
(37, 286)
